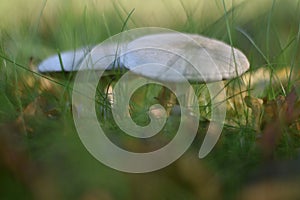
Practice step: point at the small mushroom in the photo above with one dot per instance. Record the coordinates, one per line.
(67, 61)
(199, 59)
(188, 54)
(71, 61)
(173, 57)
(196, 58)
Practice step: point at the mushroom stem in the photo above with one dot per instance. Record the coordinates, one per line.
(168, 100)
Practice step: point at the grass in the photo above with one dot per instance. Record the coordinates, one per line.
(44, 134)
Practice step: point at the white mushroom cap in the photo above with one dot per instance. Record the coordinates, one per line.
(195, 57)
(72, 60)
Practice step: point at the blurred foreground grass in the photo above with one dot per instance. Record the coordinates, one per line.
(41, 156)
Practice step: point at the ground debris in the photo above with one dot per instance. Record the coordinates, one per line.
(40, 108)
(272, 116)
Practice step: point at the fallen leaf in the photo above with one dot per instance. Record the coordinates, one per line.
(256, 106)
(278, 114)
(41, 107)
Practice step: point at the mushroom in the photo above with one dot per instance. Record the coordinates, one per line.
(171, 59)
(71, 61)
(214, 59)
(67, 61)
(197, 59)
(174, 59)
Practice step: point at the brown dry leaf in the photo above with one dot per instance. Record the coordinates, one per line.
(39, 108)
(256, 106)
(35, 83)
(278, 114)
(292, 110)
(298, 124)
(286, 108)
(271, 109)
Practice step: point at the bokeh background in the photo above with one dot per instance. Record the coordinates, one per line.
(41, 156)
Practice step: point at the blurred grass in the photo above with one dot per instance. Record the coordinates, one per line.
(266, 31)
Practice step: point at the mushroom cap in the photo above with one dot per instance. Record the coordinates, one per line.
(72, 60)
(196, 57)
